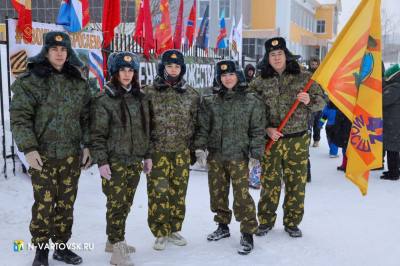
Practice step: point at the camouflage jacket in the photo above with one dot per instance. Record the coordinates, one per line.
(113, 137)
(173, 115)
(232, 126)
(50, 111)
(280, 92)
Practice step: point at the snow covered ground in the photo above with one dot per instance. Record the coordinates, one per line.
(340, 227)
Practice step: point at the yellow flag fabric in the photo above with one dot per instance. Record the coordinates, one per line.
(351, 75)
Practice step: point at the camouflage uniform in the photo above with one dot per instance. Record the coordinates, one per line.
(50, 114)
(173, 114)
(123, 145)
(231, 127)
(287, 158)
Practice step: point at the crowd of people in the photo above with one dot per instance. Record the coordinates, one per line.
(162, 129)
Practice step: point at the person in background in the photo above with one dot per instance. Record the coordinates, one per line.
(316, 131)
(249, 72)
(329, 116)
(340, 136)
(391, 122)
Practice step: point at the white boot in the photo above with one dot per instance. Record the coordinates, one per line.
(109, 248)
(120, 255)
(160, 243)
(176, 239)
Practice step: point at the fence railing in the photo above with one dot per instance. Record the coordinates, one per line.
(125, 42)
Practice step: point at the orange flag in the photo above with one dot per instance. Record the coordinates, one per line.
(24, 10)
(351, 75)
(163, 30)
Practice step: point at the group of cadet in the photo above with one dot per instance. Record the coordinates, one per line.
(161, 130)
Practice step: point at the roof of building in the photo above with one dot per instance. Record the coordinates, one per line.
(338, 3)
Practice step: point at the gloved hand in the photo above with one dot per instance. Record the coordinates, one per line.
(86, 158)
(147, 166)
(105, 171)
(34, 160)
(253, 162)
(201, 157)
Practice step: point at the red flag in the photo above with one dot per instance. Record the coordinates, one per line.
(191, 25)
(24, 10)
(178, 27)
(144, 28)
(111, 19)
(163, 31)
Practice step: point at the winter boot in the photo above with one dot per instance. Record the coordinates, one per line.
(109, 248)
(263, 230)
(390, 176)
(176, 239)
(67, 256)
(341, 168)
(120, 255)
(160, 243)
(246, 244)
(221, 232)
(41, 257)
(293, 231)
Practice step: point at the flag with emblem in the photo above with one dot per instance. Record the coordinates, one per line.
(111, 19)
(178, 27)
(221, 43)
(191, 25)
(74, 15)
(144, 28)
(232, 44)
(24, 25)
(95, 65)
(202, 36)
(351, 75)
(163, 31)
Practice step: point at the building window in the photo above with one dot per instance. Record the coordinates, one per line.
(202, 8)
(249, 47)
(224, 8)
(320, 26)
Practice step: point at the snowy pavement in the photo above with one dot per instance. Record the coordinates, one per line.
(340, 227)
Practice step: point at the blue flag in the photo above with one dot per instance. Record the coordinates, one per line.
(202, 36)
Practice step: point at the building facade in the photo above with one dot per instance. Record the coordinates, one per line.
(47, 10)
(309, 26)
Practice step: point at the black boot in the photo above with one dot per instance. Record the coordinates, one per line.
(390, 176)
(41, 257)
(263, 230)
(221, 232)
(293, 231)
(67, 256)
(246, 244)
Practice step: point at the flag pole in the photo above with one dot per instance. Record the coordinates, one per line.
(288, 115)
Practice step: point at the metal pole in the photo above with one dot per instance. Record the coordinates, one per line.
(9, 94)
(3, 125)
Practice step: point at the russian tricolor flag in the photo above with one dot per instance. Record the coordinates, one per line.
(74, 15)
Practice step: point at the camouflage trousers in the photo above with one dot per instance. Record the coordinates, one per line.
(54, 190)
(219, 176)
(166, 188)
(120, 191)
(287, 161)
